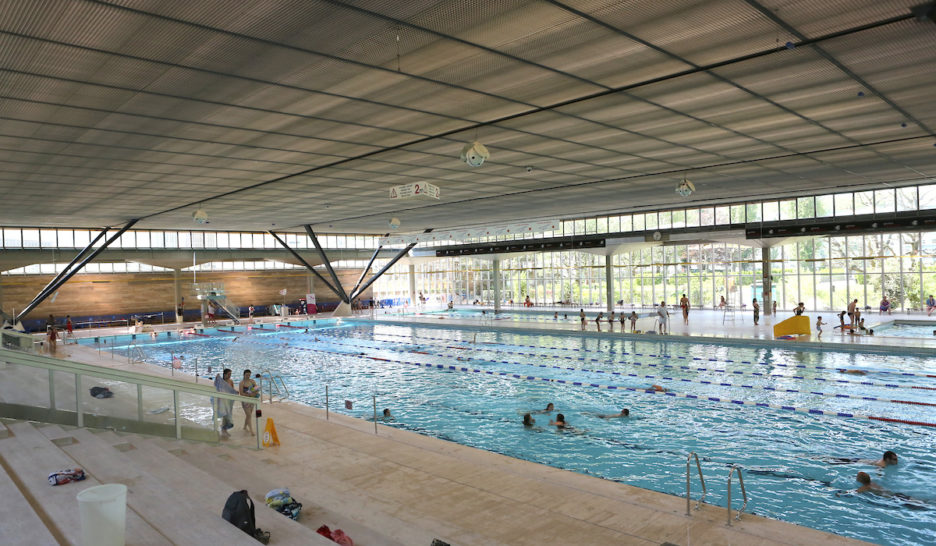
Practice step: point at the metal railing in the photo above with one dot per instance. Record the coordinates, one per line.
(195, 408)
(276, 386)
(743, 492)
(689, 482)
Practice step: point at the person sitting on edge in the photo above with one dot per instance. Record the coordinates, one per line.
(841, 317)
(528, 420)
(861, 326)
(556, 315)
(722, 303)
(560, 421)
(930, 305)
(885, 306)
(624, 413)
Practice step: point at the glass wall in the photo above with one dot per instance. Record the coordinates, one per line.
(825, 273)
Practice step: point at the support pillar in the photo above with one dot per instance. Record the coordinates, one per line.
(609, 283)
(495, 272)
(767, 304)
(412, 284)
(177, 292)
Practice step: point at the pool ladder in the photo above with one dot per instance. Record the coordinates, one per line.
(276, 387)
(743, 492)
(689, 483)
(731, 472)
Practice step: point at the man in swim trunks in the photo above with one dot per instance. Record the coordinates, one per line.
(582, 317)
(624, 413)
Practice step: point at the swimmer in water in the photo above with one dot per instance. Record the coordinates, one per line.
(853, 372)
(386, 414)
(560, 421)
(528, 420)
(656, 388)
(888, 459)
(866, 484)
(624, 413)
(549, 409)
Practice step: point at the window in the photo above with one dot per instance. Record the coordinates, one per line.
(30, 238)
(864, 202)
(884, 201)
(906, 199)
(771, 211)
(788, 209)
(12, 238)
(825, 206)
(844, 204)
(721, 215)
(805, 207)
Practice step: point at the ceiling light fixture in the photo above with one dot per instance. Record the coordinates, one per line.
(685, 188)
(475, 154)
(200, 216)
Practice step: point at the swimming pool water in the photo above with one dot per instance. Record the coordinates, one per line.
(785, 455)
(906, 329)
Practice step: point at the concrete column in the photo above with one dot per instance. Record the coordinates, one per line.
(177, 291)
(767, 304)
(609, 283)
(412, 285)
(495, 272)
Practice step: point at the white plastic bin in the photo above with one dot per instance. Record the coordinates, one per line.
(103, 510)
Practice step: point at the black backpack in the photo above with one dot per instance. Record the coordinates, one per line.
(239, 510)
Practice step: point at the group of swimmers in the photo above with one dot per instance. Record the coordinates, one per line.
(560, 421)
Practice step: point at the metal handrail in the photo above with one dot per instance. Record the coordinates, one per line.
(743, 492)
(689, 482)
(139, 379)
(272, 379)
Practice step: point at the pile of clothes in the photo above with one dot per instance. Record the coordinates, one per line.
(281, 501)
(68, 475)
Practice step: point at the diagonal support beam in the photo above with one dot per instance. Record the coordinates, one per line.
(305, 263)
(54, 282)
(62, 279)
(354, 291)
(341, 293)
(388, 265)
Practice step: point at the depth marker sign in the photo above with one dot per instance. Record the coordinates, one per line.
(423, 190)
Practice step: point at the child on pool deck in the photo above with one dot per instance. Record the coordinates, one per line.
(819, 325)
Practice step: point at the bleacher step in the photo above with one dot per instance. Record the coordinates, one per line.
(342, 509)
(31, 457)
(182, 520)
(209, 490)
(21, 524)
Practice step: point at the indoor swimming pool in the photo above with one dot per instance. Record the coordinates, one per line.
(791, 420)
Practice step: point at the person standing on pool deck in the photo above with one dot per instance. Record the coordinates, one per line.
(662, 316)
(611, 321)
(582, 317)
(819, 325)
(622, 319)
(248, 387)
(756, 307)
(633, 321)
(684, 304)
(851, 312)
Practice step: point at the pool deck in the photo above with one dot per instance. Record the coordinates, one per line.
(704, 326)
(469, 496)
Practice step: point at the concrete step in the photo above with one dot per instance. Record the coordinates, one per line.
(210, 490)
(30, 456)
(180, 518)
(21, 523)
(319, 505)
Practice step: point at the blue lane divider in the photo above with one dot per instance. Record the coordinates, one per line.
(659, 377)
(622, 388)
(692, 368)
(800, 366)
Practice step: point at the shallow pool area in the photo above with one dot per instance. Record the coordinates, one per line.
(756, 407)
(907, 328)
